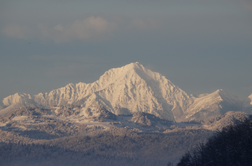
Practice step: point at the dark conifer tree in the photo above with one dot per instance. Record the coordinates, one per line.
(230, 147)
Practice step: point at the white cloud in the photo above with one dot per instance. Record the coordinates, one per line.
(17, 31)
(90, 28)
(85, 29)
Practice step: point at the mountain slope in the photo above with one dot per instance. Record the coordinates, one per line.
(133, 88)
(125, 90)
(212, 105)
(250, 97)
(18, 100)
(17, 97)
(229, 118)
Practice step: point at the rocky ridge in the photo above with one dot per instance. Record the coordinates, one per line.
(130, 89)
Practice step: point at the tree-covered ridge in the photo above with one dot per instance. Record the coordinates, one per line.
(230, 147)
(112, 148)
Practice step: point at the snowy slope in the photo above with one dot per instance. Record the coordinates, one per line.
(133, 88)
(250, 97)
(125, 90)
(18, 100)
(212, 105)
(222, 121)
(248, 105)
(17, 97)
(130, 102)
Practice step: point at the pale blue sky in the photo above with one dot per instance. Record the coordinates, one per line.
(201, 46)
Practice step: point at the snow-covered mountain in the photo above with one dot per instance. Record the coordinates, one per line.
(129, 89)
(229, 118)
(250, 97)
(18, 100)
(129, 113)
(248, 105)
(212, 105)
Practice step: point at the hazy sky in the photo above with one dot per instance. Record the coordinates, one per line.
(199, 45)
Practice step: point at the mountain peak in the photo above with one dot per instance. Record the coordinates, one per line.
(17, 97)
(219, 92)
(135, 65)
(250, 97)
(132, 66)
(129, 89)
(123, 72)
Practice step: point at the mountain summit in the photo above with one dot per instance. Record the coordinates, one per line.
(126, 90)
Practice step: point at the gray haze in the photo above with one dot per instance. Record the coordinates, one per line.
(200, 46)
